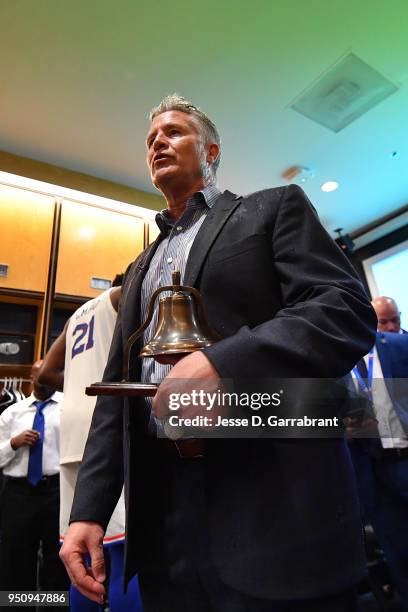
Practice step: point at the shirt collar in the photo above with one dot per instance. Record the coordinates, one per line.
(55, 397)
(206, 196)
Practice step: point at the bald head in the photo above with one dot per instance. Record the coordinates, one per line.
(388, 314)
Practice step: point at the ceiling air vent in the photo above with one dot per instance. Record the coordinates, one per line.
(345, 92)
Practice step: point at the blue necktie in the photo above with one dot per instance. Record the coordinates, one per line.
(362, 368)
(34, 473)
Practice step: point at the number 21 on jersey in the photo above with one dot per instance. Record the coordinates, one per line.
(84, 337)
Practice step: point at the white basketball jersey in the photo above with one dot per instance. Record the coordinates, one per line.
(88, 340)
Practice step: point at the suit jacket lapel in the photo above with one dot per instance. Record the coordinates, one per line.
(132, 295)
(132, 301)
(216, 218)
(383, 350)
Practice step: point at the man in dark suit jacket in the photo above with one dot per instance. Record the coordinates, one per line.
(252, 524)
(381, 464)
(388, 315)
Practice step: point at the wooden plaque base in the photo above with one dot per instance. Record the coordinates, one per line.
(123, 389)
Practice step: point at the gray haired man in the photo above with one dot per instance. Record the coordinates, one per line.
(228, 524)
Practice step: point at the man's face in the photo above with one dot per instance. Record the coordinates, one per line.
(388, 316)
(175, 151)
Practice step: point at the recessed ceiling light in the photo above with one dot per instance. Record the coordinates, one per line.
(329, 186)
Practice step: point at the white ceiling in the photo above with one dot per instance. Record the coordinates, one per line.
(78, 79)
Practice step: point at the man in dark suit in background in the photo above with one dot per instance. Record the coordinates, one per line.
(240, 524)
(382, 464)
(388, 315)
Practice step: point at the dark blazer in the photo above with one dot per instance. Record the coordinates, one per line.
(282, 514)
(392, 352)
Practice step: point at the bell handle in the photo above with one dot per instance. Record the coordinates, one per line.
(132, 339)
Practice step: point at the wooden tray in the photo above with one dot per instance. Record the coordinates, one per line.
(123, 389)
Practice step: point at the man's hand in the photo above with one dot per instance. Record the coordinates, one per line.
(28, 437)
(85, 537)
(192, 373)
(361, 428)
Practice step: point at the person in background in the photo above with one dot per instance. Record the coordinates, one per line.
(77, 359)
(29, 456)
(380, 458)
(388, 315)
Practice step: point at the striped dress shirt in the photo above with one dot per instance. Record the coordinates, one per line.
(171, 254)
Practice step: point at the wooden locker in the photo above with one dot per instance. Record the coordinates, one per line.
(94, 243)
(26, 220)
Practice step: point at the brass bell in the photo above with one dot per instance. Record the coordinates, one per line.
(181, 329)
(182, 326)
